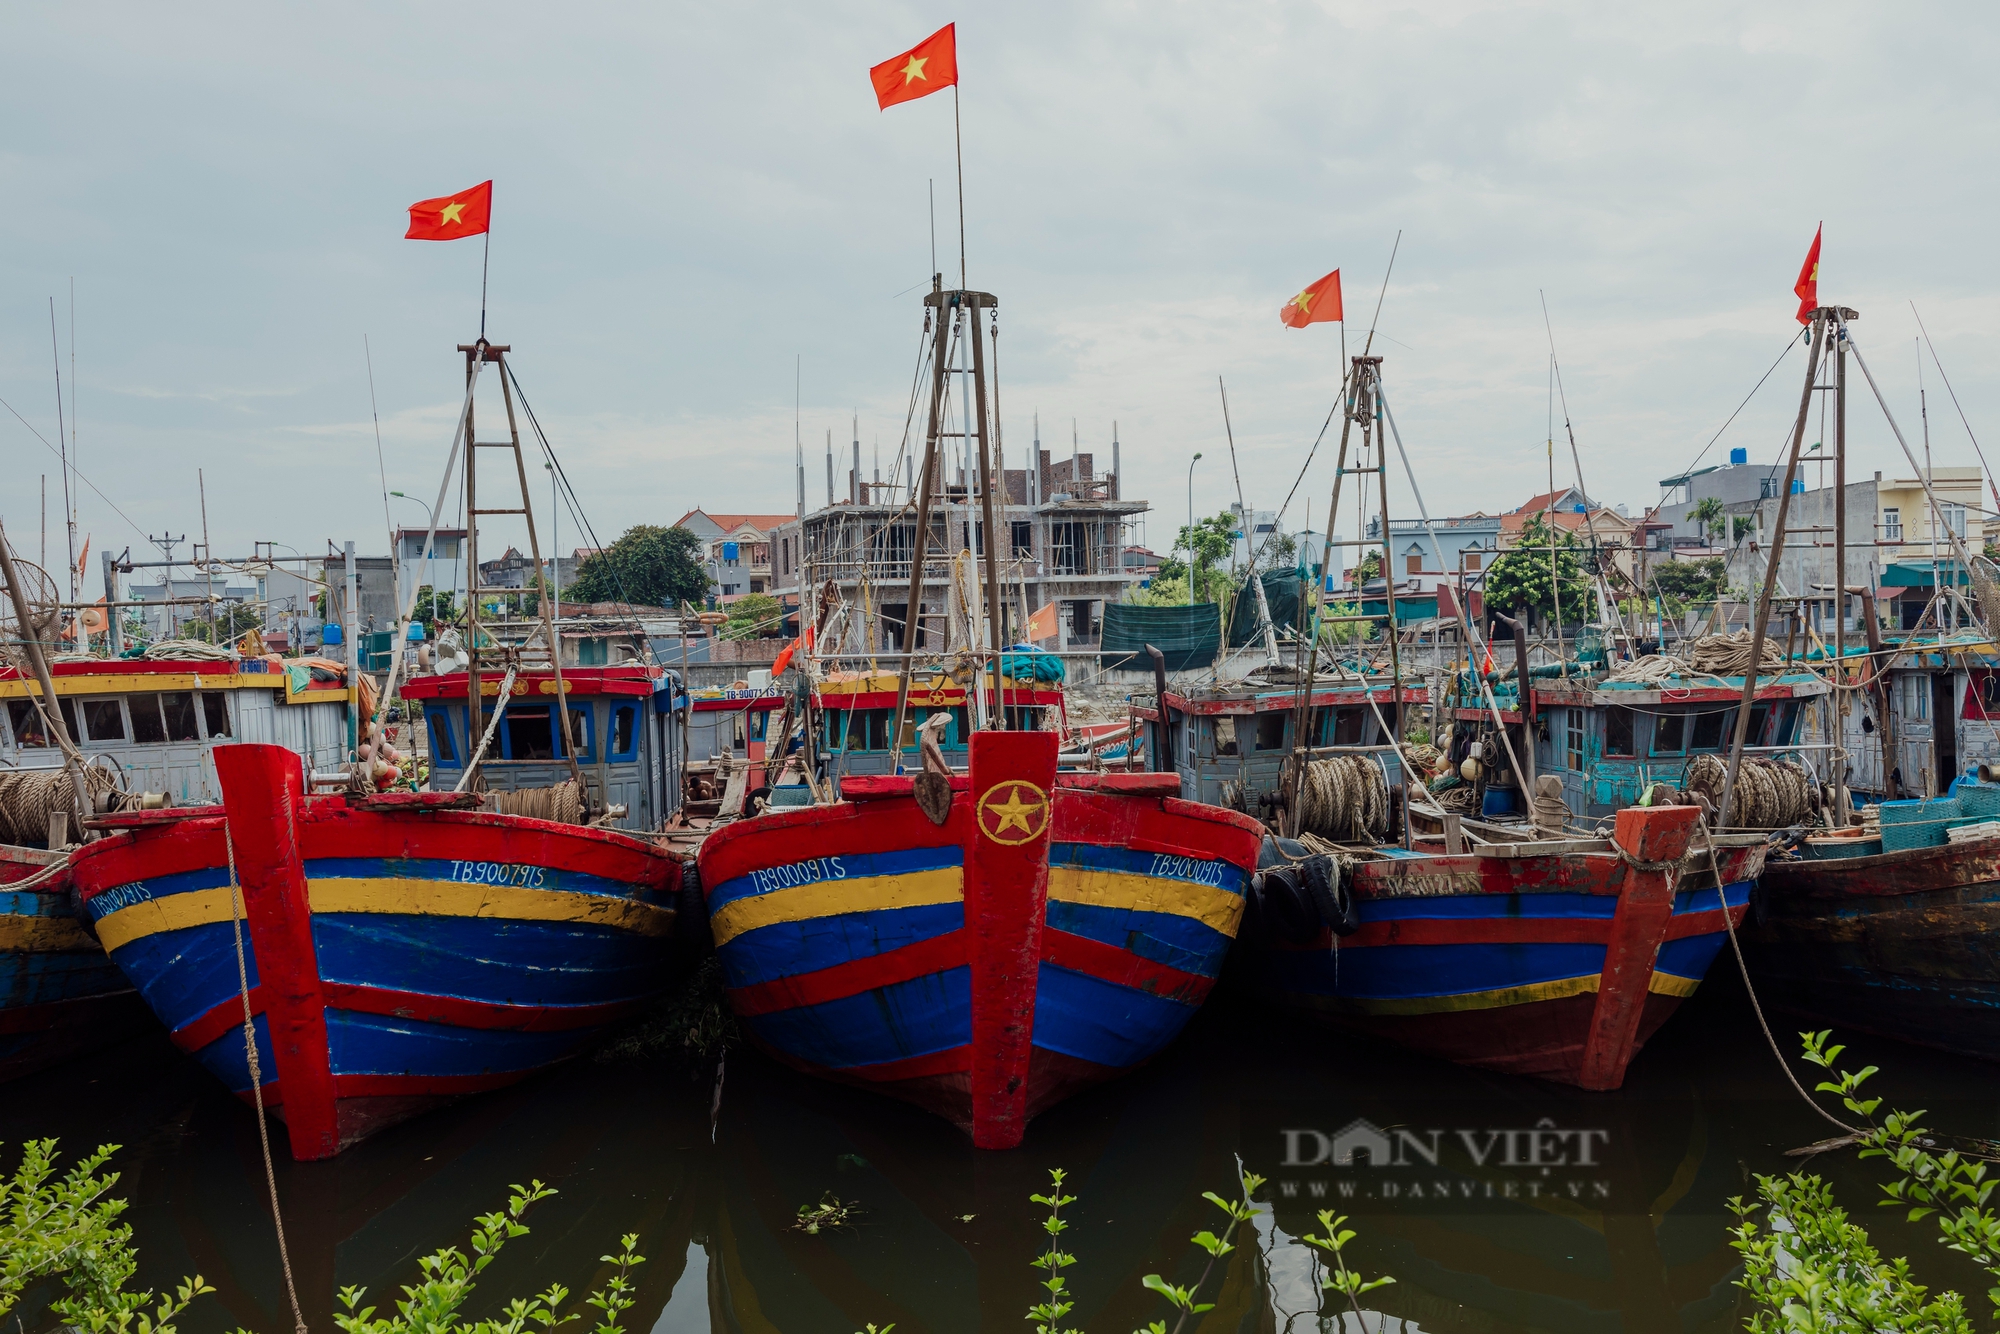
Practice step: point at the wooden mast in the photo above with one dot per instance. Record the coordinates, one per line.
(926, 481)
(996, 608)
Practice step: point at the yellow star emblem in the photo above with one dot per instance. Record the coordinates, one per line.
(915, 70)
(1013, 814)
(1304, 301)
(452, 212)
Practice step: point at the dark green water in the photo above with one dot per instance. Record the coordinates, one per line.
(1546, 1208)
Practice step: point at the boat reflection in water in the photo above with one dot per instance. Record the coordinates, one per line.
(1635, 1238)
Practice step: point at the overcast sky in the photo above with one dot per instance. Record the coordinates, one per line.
(690, 196)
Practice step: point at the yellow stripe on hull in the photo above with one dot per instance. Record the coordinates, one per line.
(1216, 908)
(1664, 984)
(834, 898)
(44, 935)
(414, 898)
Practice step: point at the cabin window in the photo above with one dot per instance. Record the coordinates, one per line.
(759, 722)
(1224, 732)
(961, 728)
(1022, 719)
(1760, 714)
(178, 709)
(1708, 729)
(103, 720)
(443, 751)
(26, 720)
(1669, 733)
(1347, 727)
(624, 732)
(147, 729)
(1573, 736)
(67, 707)
(836, 727)
(528, 732)
(579, 730)
(215, 712)
(1271, 730)
(1618, 730)
(868, 729)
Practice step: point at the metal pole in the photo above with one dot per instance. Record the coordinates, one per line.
(350, 592)
(925, 484)
(1840, 699)
(1190, 528)
(1762, 612)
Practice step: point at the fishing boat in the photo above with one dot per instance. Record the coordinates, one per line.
(397, 949)
(984, 940)
(1886, 926)
(1551, 947)
(1050, 932)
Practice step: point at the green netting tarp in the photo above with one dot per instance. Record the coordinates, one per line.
(1186, 636)
(1281, 590)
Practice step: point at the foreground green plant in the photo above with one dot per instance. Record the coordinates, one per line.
(1807, 1265)
(66, 1228)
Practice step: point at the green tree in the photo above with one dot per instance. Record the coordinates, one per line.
(647, 565)
(1679, 582)
(1520, 579)
(1209, 542)
(754, 616)
(1368, 567)
(1740, 528)
(434, 608)
(1707, 515)
(227, 625)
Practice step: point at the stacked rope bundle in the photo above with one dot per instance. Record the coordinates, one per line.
(562, 803)
(29, 797)
(1729, 655)
(1345, 799)
(1770, 794)
(1653, 669)
(189, 650)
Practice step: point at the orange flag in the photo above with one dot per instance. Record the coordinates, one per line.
(925, 68)
(1807, 287)
(1320, 301)
(1042, 625)
(467, 213)
(83, 560)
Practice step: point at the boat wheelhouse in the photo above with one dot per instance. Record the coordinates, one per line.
(1608, 741)
(625, 722)
(857, 713)
(158, 722)
(1230, 744)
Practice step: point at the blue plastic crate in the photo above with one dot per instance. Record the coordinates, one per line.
(1979, 799)
(1918, 824)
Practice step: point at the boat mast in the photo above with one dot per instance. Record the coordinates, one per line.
(925, 483)
(513, 658)
(1838, 702)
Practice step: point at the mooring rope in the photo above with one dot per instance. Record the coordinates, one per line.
(257, 1080)
(562, 803)
(1750, 990)
(1770, 794)
(492, 725)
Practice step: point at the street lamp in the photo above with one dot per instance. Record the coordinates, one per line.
(1190, 528)
(430, 569)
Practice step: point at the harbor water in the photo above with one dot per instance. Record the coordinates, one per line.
(1497, 1203)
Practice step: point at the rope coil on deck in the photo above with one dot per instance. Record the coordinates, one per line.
(562, 803)
(1345, 798)
(29, 797)
(1770, 794)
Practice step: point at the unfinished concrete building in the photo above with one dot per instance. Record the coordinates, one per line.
(1064, 529)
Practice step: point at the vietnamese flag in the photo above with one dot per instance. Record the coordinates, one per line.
(925, 68)
(1320, 301)
(467, 213)
(1807, 287)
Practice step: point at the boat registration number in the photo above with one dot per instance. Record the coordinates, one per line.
(1201, 872)
(499, 873)
(124, 896)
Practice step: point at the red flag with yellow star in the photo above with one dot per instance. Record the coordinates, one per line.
(1320, 301)
(925, 68)
(467, 213)
(1807, 287)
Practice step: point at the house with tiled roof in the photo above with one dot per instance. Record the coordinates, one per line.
(736, 549)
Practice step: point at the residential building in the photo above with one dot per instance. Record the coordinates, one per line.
(443, 571)
(1468, 543)
(736, 549)
(1067, 533)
